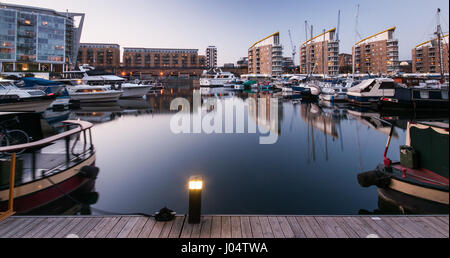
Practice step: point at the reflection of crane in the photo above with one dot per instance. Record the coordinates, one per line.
(294, 48)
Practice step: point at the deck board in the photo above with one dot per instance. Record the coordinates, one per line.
(265, 226)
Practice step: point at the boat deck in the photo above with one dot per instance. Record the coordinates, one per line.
(228, 227)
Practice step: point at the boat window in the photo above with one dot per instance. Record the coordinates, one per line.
(387, 86)
(370, 87)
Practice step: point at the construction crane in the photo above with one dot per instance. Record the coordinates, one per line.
(294, 48)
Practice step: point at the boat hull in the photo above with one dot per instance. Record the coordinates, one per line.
(37, 105)
(97, 97)
(135, 92)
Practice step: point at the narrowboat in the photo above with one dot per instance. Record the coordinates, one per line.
(419, 183)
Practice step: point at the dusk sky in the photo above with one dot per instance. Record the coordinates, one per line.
(234, 25)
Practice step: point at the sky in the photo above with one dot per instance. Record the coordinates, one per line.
(234, 25)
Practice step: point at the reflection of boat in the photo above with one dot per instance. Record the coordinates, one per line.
(13, 99)
(313, 115)
(372, 120)
(134, 104)
(420, 181)
(50, 170)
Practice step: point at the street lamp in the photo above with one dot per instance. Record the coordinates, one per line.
(195, 199)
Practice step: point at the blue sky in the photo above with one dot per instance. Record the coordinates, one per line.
(233, 25)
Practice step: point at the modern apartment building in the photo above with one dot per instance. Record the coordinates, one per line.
(426, 57)
(38, 39)
(377, 54)
(266, 56)
(162, 58)
(211, 57)
(101, 56)
(320, 54)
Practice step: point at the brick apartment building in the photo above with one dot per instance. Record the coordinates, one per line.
(101, 56)
(377, 54)
(320, 55)
(266, 56)
(427, 59)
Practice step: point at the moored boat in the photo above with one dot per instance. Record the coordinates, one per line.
(371, 91)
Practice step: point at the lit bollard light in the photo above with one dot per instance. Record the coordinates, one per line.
(195, 199)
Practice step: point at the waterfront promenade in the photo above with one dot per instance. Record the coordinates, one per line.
(227, 227)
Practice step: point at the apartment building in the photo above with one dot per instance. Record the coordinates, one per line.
(266, 56)
(320, 54)
(162, 58)
(101, 56)
(377, 54)
(211, 57)
(426, 57)
(38, 39)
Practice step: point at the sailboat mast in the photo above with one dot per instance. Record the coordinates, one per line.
(306, 48)
(438, 33)
(356, 39)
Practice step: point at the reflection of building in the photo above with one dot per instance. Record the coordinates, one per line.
(427, 59)
(101, 56)
(38, 39)
(377, 53)
(261, 107)
(266, 56)
(319, 55)
(211, 57)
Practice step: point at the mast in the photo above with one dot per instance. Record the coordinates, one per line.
(356, 38)
(306, 48)
(438, 33)
(323, 54)
(311, 46)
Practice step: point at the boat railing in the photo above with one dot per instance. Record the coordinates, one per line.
(81, 127)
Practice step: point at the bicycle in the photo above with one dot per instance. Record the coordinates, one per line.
(12, 137)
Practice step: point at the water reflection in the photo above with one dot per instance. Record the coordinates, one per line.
(310, 170)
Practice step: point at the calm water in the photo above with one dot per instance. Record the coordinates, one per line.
(312, 169)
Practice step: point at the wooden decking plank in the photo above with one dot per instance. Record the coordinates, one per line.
(377, 228)
(332, 225)
(75, 231)
(285, 227)
(256, 227)
(431, 231)
(216, 227)
(344, 226)
(187, 230)
(276, 227)
(266, 228)
(246, 227)
(443, 219)
(93, 233)
(356, 227)
(58, 227)
(409, 226)
(126, 230)
(155, 231)
(166, 229)
(115, 231)
(6, 224)
(177, 227)
(318, 231)
(90, 226)
(300, 231)
(196, 229)
(327, 227)
(226, 227)
(50, 223)
(11, 225)
(397, 228)
(39, 228)
(108, 227)
(205, 232)
(437, 224)
(236, 229)
(386, 227)
(27, 228)
(138, 227)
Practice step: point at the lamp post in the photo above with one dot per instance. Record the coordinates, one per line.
(195, 199)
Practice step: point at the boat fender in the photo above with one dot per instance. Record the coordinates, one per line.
(165, 214)
(89, 198)
(89, 172)
(376, 178)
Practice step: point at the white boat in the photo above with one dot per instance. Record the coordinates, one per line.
(87, 93)
(13, 99)
(88, 75)
(371, 91)
(216, 78)
(336, 92)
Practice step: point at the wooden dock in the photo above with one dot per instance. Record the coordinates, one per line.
(228, 227)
